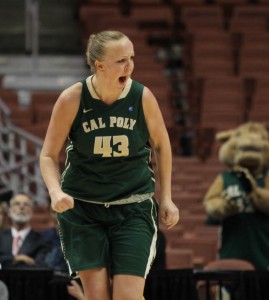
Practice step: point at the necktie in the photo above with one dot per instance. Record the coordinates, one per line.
(16, 244)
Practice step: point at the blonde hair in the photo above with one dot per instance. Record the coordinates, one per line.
(97, 44)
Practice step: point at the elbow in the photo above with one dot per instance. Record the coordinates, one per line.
(44, 159)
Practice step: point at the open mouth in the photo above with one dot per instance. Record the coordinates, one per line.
(122, 79)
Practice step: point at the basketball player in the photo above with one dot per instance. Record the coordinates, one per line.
(104, 198)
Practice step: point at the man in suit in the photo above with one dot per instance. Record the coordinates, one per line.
(20, 246)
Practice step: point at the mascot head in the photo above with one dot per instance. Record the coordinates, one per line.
(246, 146)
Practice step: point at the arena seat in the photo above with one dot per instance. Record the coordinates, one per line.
(146, 2)
(200, 18)
(187, 2)
(248, 24)
(215, 288)
(179, 258)
(231, 2)
(152, 13)
(258, 111)
(223, 103)
(9, 97)
(204, 248)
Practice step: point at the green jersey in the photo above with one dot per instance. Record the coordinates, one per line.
(108, 152)
(246, 234)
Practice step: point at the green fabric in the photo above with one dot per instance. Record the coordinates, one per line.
(108, 153)
(121, 238)
(246, 234)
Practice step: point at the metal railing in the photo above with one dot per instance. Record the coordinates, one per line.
(19, 159)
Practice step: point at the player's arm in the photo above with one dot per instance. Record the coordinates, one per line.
(62, 117)
(162, 149)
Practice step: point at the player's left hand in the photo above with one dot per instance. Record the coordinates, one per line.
(169, 213)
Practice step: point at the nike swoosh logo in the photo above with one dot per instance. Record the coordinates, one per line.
(87, 110)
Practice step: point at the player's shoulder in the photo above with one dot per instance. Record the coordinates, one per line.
(72, 92)
(70, 97)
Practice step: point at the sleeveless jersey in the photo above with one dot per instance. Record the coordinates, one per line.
(108, 152)
(244, 235)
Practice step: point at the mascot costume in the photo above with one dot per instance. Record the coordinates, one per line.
(239, 196)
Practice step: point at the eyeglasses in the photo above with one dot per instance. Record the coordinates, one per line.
(18, 203)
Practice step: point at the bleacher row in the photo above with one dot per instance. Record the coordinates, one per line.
(224, 76)
(228, 51)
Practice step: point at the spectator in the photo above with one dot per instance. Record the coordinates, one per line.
(20, 246)
(55, 258)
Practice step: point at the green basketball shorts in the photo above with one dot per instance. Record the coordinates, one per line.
(121, 238)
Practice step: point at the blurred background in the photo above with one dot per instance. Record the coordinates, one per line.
(206, 61)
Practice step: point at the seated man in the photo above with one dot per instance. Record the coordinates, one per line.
(20, 246)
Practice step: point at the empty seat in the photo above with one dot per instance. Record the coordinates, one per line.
(249, 11)
(138, 2)
(91, 18)
(258, 111)
(211, 57)
(215, 287)
(208, 231)
(247, 25)
(187, 201)
(154, 20)
(148, 78)
(187, 2)
(212, 67)
(152, 13)
(254, 39)
(10, 98)
(42, 104)
(114, 2)
(22, 117)
(222, 101)
(232, 2)
(204, 248)
(170, 235)
(179, 258)
(225, 88)
(45, 97)
(253, 66)
(222, 122)
(230, 264)
(249, 18)
(253, 59)
(211, 38)
(42, 115)
(38, 130)
(199, 18)
(262, 88)
(190, 222)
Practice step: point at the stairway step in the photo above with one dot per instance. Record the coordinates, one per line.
(58, 27)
